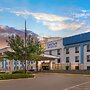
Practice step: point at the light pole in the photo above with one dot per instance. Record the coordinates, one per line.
(25, 45)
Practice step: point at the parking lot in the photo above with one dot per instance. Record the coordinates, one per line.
(48, 82)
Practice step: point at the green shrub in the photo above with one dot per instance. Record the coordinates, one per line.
(15, 76)
(18, 72)
(2, 72)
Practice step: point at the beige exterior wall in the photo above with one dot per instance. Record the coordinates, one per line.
(85, 57)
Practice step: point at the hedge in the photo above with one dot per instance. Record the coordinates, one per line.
(2, 72)
(15, 76)
(18, 72)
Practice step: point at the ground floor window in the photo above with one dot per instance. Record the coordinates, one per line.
(88, 67)
(76, 67)
(58, 61)
(67, 67)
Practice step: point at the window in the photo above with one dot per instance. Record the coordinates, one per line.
(58, 61)
(58, 52)
(67, 51)
(67, 67)
(17, 67)
(67, 59)
(88, 48)
(76, 58)
(88, 67)
(31, 67)
(50, 52)
(0, 54)
(6, 63)
(31, 62)
(6, 67)
(21, 62)
(76, 49)
(88, 58)
(76, 67)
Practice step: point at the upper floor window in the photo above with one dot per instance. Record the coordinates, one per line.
(67, 59)
(58, 61)
(58, 52)
(88, 48)
(67, 51)
(76, 49)
(76, 58)
(88, 58)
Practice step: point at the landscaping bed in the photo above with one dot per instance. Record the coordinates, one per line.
(15, 76)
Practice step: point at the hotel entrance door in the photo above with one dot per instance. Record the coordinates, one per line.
(45, 66)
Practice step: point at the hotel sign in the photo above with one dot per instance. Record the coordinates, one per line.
(51, 44)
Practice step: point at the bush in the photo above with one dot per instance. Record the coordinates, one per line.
(15, 76)
(18, 72)
(2, 72)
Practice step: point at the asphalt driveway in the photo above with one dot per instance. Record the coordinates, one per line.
(48, 82)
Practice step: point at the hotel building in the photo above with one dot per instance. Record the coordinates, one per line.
(69, 53)
(77, 51)
(73, 52)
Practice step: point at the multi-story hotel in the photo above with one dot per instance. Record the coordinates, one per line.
(69, 53)
(73, 52)
(77, 51)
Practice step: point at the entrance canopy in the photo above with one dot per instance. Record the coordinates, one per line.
(48, 57)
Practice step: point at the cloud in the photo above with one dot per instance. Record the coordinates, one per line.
(42, 16)
(18, 13)
(49, 17)
(61, 26)
(1, 9)
(7, 9)
(52, 21)
(88, 30)
(82, 14)
(85, 11)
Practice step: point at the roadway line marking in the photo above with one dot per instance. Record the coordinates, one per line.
(76, 85)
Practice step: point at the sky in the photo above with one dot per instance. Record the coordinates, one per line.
(59, 18)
